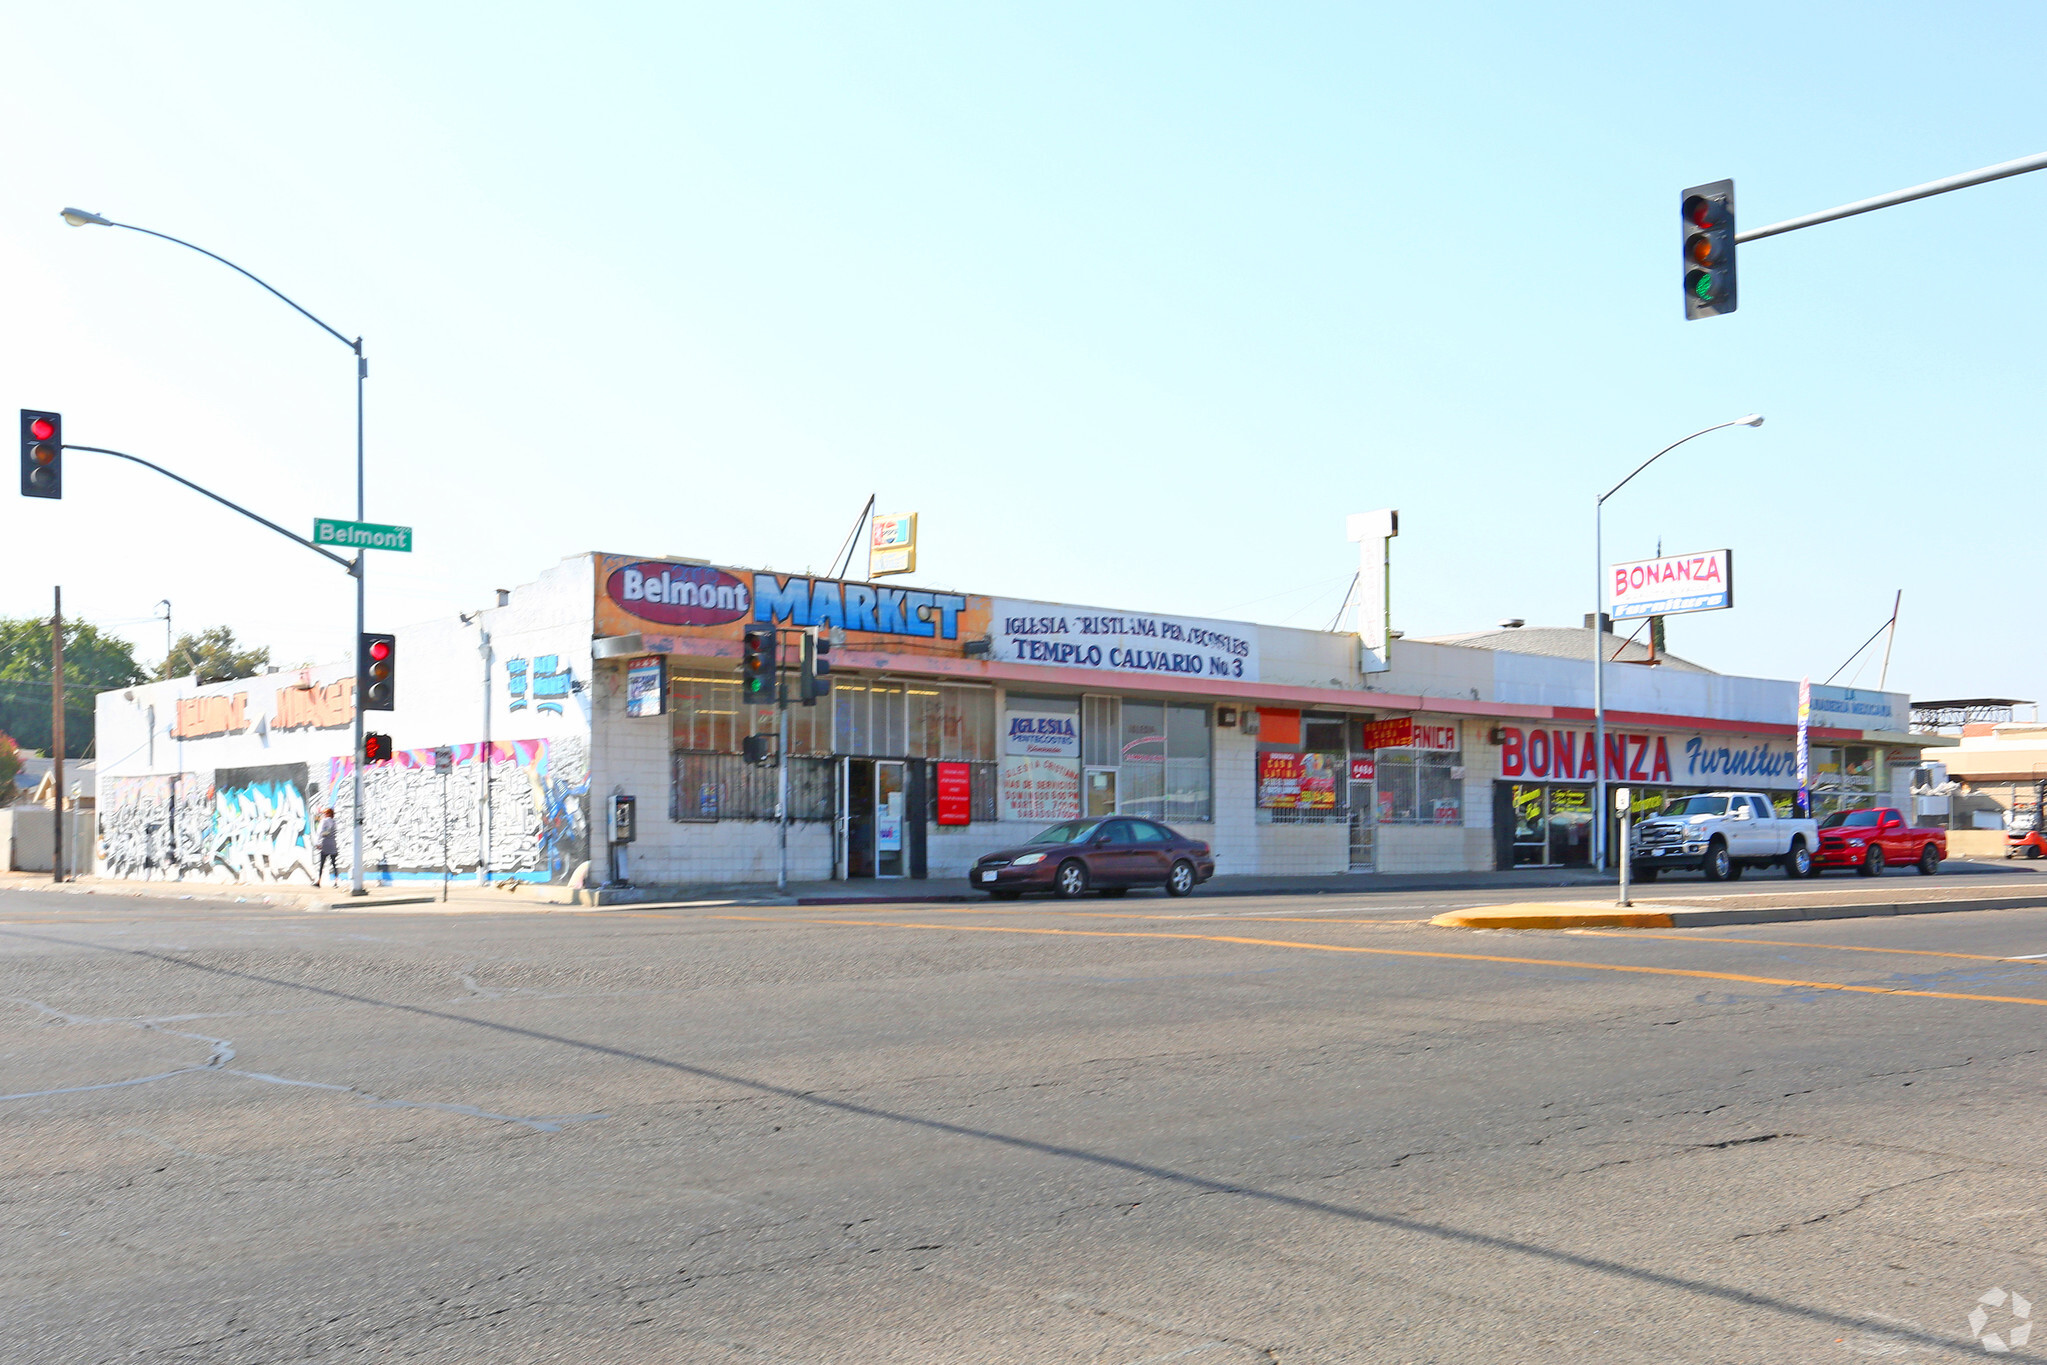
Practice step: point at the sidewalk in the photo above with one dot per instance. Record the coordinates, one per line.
(1846, 900)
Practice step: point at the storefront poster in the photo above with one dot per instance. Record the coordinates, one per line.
(1048, 734)
(1279, 780)
(955, 794)
(1040, 790)
(1121, 642)
(646, 685)
(1318, 782)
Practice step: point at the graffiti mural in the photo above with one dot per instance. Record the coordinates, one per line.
(417, 820)
(262, 824)
(240, 825)
(551, 683)
(155, 827)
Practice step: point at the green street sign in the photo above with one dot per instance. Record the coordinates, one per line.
(361, 535)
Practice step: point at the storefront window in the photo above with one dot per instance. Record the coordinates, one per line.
(1188, 766)
(1040, 758)
(1421, 787)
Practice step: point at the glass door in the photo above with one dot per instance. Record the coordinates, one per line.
(890, 799)
(1099, 787)
(1363, 806)
(841, 815)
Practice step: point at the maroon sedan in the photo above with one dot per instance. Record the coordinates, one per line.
(1109, 855)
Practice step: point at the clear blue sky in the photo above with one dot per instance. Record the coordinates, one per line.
(1133, 302)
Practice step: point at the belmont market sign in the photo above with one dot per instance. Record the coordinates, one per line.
(1676, 760)
(1672, 584)
(1121, 642)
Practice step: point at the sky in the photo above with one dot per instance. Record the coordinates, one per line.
(1131, 302)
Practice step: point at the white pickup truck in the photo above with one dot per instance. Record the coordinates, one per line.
(1721, 834)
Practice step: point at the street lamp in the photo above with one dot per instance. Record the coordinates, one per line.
(1599, 635)
(81, 218)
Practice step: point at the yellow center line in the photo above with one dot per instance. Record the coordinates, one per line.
(1783, 943)
(1401, 952)
(798, 916)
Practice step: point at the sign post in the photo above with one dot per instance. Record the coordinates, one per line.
(1624, 803)
(444, 764)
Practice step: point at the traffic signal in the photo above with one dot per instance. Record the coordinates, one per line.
(376, 671)
(758, 750)
(817, 666)
(42, 454)
(1709, 249)
(376, 748)
(757, 671)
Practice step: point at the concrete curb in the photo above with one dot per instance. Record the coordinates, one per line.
(1556, 915)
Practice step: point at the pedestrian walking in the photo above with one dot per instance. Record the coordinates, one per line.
(330, 849)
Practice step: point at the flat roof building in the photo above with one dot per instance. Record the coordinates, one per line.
(957, 722)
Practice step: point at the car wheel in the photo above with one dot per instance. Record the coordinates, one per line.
(1070, 880)
(1929, 861)
(2032, 850)
(1115, 891)
(1734, 871)
(1717, 866)
(1798, 862)
(1644, 873)
(1873, 863)
(1180, 881)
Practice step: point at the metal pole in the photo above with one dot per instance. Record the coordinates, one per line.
(1626, 798)
(1906, 196)
(57, 734)
(1598, 684)
(362, 372)
(782, 783)
(445, 866)
(1885, 676)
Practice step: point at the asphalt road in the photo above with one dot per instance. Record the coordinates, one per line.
(1131, 1131)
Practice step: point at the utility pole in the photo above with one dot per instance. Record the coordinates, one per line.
(57, 735)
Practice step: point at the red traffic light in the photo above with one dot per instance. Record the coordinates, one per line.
(42, 428)
(376, 748)
(380, 650)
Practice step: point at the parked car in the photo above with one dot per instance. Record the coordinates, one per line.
(1721, 834)
(1108, 855)
(1870, 840)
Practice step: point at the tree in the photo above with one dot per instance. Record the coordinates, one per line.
(94, 662)
(10, 767)
(214, 655)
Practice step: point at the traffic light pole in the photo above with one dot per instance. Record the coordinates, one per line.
(781, 774)
(80, 218)
(1883, 201)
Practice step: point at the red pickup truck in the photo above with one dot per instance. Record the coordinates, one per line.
(1870, 840)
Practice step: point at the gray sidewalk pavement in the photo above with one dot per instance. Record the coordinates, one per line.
(465, 896)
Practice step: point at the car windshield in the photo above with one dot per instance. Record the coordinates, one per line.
(1699, 805)
(1072, 832)
(1853, 819)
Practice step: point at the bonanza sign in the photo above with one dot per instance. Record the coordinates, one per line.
(1672, 585)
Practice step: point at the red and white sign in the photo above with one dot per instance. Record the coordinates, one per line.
(1364, 769)
(955, 794)
(1671, 585)
(1403, 732)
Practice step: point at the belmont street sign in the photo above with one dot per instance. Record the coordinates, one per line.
(361, 535)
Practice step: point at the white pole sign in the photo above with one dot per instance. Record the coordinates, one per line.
(1672, 585)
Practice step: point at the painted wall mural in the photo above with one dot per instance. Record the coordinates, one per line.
(539, 810)
(256, 824)
(236, 825)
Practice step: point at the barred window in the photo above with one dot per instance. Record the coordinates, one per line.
(707, 787)
(1420, 787)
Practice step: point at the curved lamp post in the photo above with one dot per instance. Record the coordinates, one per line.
(81, 218)
(1599, 634)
